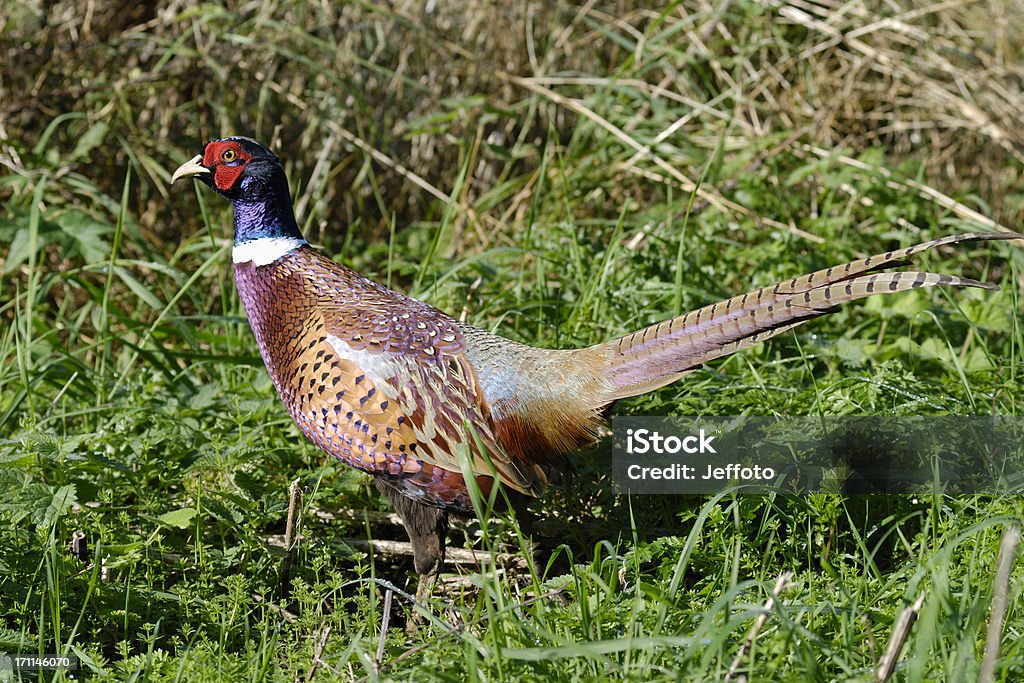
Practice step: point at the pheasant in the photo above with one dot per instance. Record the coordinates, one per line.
(395, 387)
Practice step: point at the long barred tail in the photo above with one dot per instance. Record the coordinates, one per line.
(660, 354)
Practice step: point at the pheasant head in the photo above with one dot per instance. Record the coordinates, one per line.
(251, 177)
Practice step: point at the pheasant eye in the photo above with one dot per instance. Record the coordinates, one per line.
(228, 155)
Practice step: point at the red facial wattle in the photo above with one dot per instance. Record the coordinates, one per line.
(227, 160)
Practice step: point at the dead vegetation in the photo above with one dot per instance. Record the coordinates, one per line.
(405, 95)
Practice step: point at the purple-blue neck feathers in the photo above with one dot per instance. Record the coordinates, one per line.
(263, 208)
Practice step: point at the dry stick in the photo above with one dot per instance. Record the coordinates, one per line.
(453, 584)
(279, 540)
(1000, 598)
(53, 403)
(290, 536)
(318, 652)
(351, 515)
(452, 555)
(294, 494)
(384, 619)
(780, 584)
(900, 631)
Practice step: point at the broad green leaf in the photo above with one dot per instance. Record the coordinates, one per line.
(178, 518)
(90, 139)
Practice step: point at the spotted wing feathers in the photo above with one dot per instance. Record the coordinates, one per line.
(428, 407)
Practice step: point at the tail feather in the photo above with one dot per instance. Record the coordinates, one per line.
(662, 353)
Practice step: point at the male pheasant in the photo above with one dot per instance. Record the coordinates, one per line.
(397, 388)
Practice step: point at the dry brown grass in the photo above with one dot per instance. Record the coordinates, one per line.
(406, 94)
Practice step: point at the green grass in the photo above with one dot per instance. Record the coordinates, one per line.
(135, 410)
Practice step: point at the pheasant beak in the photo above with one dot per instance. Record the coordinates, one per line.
(190, 168)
